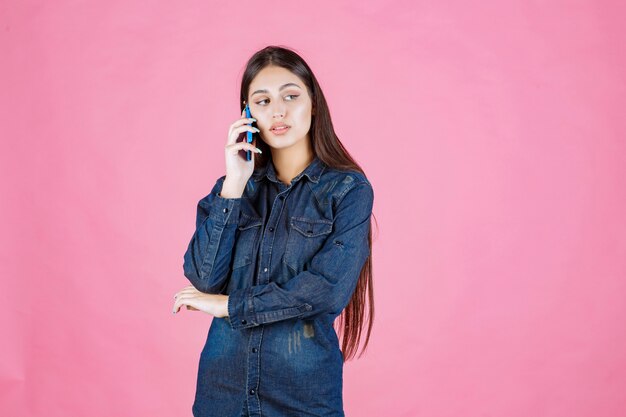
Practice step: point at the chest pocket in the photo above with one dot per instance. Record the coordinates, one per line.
(306, 237)
(246, 242)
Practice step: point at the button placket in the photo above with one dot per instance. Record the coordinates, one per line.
(275, 212)
(265, 252)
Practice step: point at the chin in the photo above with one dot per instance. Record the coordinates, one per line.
(283, 145)
(277, 143)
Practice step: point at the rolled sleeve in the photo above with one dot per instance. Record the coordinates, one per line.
(331, 276)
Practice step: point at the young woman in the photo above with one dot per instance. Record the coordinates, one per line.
(282, 247)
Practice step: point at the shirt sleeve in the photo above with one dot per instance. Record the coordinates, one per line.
(206, 262)
(330, 279)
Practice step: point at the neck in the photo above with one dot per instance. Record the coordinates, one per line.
(289, 162)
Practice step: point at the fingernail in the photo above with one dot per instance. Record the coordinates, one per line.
(259, 151)
(253, 119)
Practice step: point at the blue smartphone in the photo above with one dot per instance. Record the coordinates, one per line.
(248, 134)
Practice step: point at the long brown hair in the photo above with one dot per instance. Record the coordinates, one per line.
(329, 149)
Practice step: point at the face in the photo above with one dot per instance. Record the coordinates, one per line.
(276, 95)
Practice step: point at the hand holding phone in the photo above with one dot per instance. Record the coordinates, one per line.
(239, 167)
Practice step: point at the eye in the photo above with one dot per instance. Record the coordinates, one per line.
(289, 95)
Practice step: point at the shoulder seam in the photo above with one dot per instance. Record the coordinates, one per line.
(354, 184)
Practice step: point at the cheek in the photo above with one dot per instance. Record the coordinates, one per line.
(303, 114)
(263, 121)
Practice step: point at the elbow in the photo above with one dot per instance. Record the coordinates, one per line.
(202, 282)
(193, 275)
(333, 308)
(205, 285)
(190, 269)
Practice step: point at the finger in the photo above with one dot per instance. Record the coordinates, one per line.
(243, 120)
(240, 132)
(177, 306)
(243, 112)
(184, 299)
(238, 127)
(188, 286)
(236, 147)
(190, 304)
(187, 289)
(180, 301)
(186, 292)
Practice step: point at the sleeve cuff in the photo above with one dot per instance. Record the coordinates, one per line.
(240, 309)
(225, 210)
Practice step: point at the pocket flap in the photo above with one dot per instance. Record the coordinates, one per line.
(246, 222)
(311, 227)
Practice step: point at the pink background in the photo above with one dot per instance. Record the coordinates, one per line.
(491, 132)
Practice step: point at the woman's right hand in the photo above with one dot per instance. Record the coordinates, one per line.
(237, 168)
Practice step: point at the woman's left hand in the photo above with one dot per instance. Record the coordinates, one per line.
(214, 304)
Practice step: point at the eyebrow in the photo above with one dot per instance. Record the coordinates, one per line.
(280, 89)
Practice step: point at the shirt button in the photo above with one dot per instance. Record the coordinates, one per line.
(271, 229)
(254, 350)
(225, 210)
(264, 269)
(244, 321)
(252, 391)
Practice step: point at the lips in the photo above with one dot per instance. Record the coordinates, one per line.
(279, 128)
(279, 131)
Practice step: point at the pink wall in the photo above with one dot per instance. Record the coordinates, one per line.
(491, 131)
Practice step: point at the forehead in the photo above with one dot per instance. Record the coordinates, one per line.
(271, 78)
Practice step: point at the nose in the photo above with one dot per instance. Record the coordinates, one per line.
(278, 110)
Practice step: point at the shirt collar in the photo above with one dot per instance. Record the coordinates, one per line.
(313, 171)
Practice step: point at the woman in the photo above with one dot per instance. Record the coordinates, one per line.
(281, 248)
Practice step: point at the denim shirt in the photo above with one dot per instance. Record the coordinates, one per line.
(289, 257)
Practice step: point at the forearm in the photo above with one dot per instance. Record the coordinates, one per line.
(208, 256)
